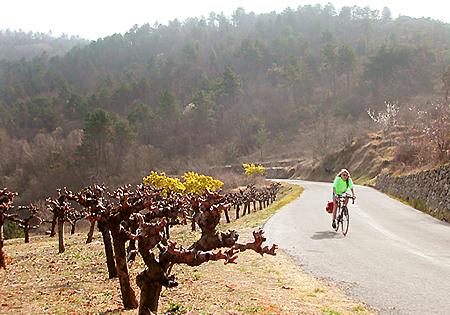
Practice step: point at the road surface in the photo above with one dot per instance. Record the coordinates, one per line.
(394, 258)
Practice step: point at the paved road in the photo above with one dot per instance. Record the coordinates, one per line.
(393, 258)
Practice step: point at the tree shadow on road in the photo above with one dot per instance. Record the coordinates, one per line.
(320, 235)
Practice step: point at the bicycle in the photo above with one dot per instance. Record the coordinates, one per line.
(342, 214)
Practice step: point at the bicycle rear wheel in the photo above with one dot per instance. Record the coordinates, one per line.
(345, 220)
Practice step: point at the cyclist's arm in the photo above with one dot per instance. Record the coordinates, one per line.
(334, 187)
(351, 188)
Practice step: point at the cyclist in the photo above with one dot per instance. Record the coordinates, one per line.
(341, 184)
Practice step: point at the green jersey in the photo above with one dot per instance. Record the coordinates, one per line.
(340, 185)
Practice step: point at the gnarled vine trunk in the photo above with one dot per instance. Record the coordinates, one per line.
(53, 228)
(110, 262)
(149, 281)
(26, 231)
(90, 234)
(128, 295)
(2, 255)
(62, 248)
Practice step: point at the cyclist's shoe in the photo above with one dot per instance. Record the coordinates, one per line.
(333, 225)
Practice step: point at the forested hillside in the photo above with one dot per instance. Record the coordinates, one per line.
(209, 91)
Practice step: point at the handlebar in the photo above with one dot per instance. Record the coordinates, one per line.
(344, 196)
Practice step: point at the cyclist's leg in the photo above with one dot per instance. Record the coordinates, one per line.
(346, 202)
(338, 220)
(334, 207)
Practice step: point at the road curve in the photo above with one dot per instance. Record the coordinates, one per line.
(394, 258)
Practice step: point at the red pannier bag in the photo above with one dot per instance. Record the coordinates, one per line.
(329, 207)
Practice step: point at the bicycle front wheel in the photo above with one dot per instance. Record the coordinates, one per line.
(345, 220)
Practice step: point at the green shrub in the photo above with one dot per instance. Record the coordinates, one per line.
(11, 230)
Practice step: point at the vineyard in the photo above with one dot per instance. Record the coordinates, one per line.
(139, 221)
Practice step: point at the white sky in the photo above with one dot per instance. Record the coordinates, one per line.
(99, 18)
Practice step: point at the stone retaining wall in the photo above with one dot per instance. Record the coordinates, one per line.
(429, 187)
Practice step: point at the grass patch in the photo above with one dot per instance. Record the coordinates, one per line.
(318, 290)
(419, 204)
(359, 309)
(196, 275)
(416, 203)
(253, 309)
(329, 311)
(176, 308)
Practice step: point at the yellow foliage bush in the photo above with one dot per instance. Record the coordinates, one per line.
(252, 169)
(193, 182)
(197, 184)
(164, 181)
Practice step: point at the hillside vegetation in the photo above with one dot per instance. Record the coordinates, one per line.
(410, 141)
(211, 91)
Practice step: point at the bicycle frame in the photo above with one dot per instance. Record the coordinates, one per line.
(342, 214)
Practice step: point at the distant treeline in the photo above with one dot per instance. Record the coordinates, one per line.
(16, 45)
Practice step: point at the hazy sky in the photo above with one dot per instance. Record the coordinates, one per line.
(99, 18)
